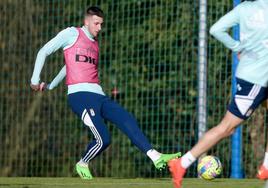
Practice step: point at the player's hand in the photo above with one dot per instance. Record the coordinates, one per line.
(43, 86)
(35, 87)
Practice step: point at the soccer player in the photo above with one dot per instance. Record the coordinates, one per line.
(251, 77)
(85, 96)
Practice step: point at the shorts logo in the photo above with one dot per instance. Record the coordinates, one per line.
(239, 88)
(92, 112)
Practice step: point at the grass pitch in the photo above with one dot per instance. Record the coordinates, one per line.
(126, 183)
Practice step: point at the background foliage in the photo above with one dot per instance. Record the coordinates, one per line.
(149, 54)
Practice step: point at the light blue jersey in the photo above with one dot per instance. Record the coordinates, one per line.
(252, 18)
(64, 39)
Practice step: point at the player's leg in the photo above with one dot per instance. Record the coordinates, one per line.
(263, 170)
(87, 106)
(178, 167)
(246, 100)
(113, 112)
(224, 129)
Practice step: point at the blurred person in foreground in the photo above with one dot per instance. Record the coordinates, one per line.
(85, 96)
(251, 78)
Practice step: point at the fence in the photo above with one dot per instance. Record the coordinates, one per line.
(149, 54)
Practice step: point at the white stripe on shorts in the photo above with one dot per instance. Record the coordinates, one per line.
(244, 102)
(254, 91)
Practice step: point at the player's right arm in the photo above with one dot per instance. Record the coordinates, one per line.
(220, 29)
(60, 76)
(64, 38)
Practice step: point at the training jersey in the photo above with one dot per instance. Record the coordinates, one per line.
(64, 39)
(81, 60)
(252, 18)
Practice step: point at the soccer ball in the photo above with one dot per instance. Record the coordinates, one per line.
(209, 167)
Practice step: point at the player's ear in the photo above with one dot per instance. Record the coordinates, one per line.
(86, 20)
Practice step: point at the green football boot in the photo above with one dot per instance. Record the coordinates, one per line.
(83, 172)
(164, 158)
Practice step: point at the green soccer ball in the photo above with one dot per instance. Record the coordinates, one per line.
(209, 167)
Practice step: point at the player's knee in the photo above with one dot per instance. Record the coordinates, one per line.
(106, 142)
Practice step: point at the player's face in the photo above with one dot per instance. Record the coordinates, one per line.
(93, 24)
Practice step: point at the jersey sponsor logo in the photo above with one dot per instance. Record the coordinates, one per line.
(85, 59)
(92, 51)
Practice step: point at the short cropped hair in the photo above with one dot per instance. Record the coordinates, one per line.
(93, 10)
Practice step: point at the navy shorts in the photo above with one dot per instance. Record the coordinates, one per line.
(247, 98)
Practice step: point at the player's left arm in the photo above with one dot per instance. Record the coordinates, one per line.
(55, 82)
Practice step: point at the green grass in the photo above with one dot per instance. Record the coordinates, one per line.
(125, 183)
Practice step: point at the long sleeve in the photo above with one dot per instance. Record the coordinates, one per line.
(63, 39)
(60, 76)
(220, 29)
